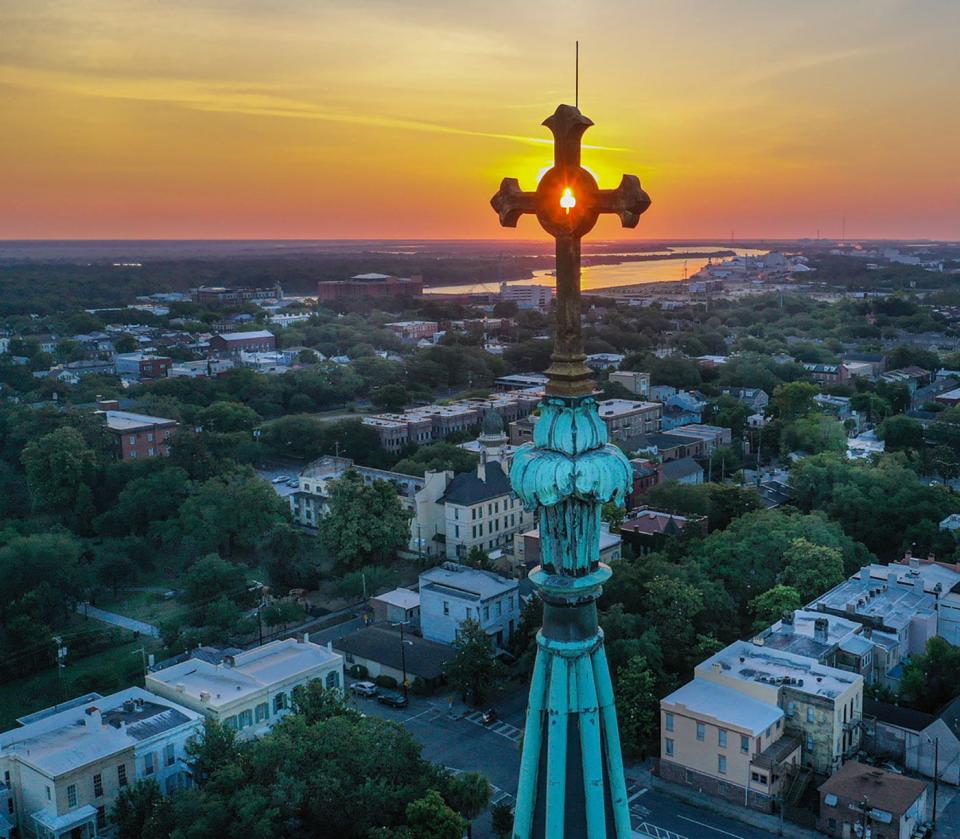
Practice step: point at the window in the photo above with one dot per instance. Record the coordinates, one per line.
(757, 778)
(468, 612)
(701, 731)
(744, 743)
(279, 702)
(668, 743)
(261, 712)
(9, 805)
(668, 722)
(98, 786)
(230, 722)
(446, 607)
(809, 742)
(722, 764)
(486, 613)
(101, 818)
(333, 680)
(48, 793)
(122, 775)
(456, 530)
(150, 437)
(72, 795)
(245, 718)
(811, 715)
(133, 440)
(170, 754)
(499, 608)
(722, 738)
(148, 763)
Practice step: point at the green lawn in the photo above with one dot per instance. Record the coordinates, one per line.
(147, 606)
(104, 672)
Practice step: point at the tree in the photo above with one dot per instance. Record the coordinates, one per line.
(437, 457)
(768, 608)
(215, 590)
(41, 576)
(316, 703)
(468, 794)
(502, 820)
(125, 343)
(794, 400)
(637, 706)
(142, 811)
(901, 433)
(228, 416)
(474, 669)
(812, 569)
(613, 514)
(228, 513)
(392, 397)
(365, 522)
(143, 501)
(430, 818)
(57, 465)
(930, 679)
(813, 434)
(217, 750)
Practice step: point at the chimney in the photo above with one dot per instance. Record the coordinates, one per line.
(306, 637)
(907, 556)
(180, 687)
(204, 696)
(865, 573)
(717, 667)
(821, 630)
(891, 578)
(786, 622)
(482, 465)
(94, 720)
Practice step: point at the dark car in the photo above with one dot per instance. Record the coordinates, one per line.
(489, 716)
(394, 700)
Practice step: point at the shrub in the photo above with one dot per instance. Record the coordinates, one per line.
(358, 671)
(385, 682)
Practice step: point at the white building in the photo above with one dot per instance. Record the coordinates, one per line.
(528, 296)
(251, 690)
(451, 594)
(63, 769)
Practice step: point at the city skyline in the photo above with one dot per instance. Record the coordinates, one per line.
(212, 120)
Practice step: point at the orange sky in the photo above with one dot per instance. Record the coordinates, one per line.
(377, 119)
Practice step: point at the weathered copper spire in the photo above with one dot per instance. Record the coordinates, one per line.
(571, 774)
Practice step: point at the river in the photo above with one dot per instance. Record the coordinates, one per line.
(666, 270)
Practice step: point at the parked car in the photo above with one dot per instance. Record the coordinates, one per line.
(280, 479)
(293, 483)
(363, 689)
(489, 716)
(394, 700)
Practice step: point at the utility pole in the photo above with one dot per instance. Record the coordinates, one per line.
(61, 656)
(260, 620)
(936, 777)
(403, 655)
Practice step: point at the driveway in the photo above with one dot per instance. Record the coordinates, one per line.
(122, 621)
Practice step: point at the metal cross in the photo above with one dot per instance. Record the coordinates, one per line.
(567, 202)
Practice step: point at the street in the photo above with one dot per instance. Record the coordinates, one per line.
(465, 744)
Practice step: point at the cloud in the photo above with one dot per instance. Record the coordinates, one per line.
(229, 98)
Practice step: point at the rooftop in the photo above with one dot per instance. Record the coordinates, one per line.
(469, 488)
(746, 662)
(250, 671)
(466, 583)
(242, 336)
(888, 605)
(801, 637)
(127, 421)
(675, 470)
(423, 658)
(617, 407)
(67, 740)
(647, 520)
(402, 598)
(886, 791)
(726, 705)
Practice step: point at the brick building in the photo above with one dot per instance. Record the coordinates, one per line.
(233, 343)
(364, 286)
(138, 436)
(140, 366)
(222, 296)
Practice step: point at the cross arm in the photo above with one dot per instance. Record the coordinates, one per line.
(629, 201)
(511, 202)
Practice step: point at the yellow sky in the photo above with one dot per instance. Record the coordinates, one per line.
(376, 119)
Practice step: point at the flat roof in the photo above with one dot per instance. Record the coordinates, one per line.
(402, 598)
(250, 672)
(748, 662)
(724, 704)
(616, 407)
(67, 740)
(257, 333)
(127, 421)
(893, 606)
(468, 581)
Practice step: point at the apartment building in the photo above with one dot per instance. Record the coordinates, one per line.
(718, 740)
(137, 436)
(413, 330)
(627, 420)
(637, 382)
(822, 705)
(712, 436)
(528, 296)
(248, 691)
(364, 286)
(232, 343)
(451, 594)
(63, 768)
(221, 296)
(142, 366)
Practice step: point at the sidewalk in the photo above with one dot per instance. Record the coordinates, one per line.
(113, 618)
(763, 821)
